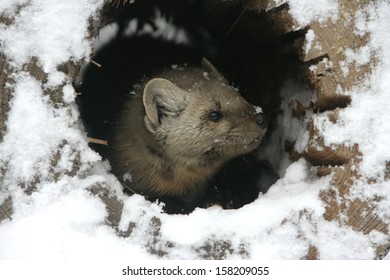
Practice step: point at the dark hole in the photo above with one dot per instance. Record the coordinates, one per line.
(240, 43)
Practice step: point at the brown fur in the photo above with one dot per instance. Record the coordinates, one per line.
(166, 141)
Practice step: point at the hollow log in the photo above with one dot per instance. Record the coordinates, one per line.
(326, 54)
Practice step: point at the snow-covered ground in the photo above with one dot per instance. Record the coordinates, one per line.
(63, 220)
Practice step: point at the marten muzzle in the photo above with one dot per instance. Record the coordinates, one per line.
(245, 135)
(261, 120)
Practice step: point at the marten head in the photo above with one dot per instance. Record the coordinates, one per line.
(198, 119)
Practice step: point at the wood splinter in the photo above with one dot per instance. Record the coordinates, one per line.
(97, 141)
(95, 63)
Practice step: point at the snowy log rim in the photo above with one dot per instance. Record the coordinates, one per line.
(89, 172)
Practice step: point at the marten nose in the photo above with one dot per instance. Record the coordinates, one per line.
(261, 120)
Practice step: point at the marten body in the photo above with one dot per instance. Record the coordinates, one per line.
(177, 130)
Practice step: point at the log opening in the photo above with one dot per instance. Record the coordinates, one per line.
(247, 46)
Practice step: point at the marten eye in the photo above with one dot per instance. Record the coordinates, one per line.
(215, 116)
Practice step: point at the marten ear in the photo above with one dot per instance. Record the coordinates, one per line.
(210, 67)
(162, 98)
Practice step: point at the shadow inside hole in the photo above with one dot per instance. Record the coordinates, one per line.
(256, 64)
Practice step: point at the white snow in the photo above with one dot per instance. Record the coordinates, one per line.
(320, 10)
(290, 129)
(54, 31)
(163, 28)
(365, 121)
(106, 34)
(258, 109)
(309, 39)
(61, 219)
(34, 132)
(8, 7)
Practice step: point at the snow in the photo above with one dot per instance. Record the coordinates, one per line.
(305, 11)
(310, 37)
(43, 29)
(8, 7)
(292, 130)
(370, 99)
(61, 219)
(258, 109)
(162, 28)
(106, 34)
(27, 147)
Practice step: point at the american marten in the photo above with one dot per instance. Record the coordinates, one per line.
(176, 131)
